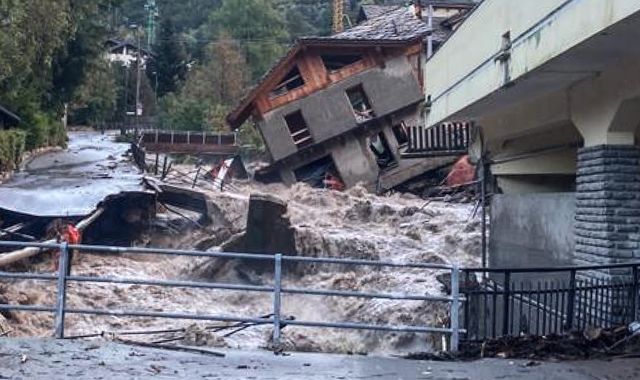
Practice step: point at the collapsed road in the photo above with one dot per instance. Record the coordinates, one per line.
(92, 184)
(71, 182)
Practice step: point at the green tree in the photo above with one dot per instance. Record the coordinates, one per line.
(170, 62)
(210, 90)
(259, 28)
(46, 47)
(95, 99)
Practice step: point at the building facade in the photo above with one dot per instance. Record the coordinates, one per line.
(554, 86)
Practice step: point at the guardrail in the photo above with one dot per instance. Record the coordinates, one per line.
(64, 276)
(157, 136)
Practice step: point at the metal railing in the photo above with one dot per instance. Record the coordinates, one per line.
(156, 136)
(543, 301)
(442, 139)
(64, 277)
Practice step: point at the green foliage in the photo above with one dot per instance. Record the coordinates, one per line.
(257, 26)
(209, 91)
(95, 99)
(48, 49)
(44, 130)
(12, 146)
(182, 113)
(170, 64)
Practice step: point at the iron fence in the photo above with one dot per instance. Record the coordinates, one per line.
(543, 301)
(64, 277)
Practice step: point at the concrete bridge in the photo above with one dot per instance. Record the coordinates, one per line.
(555, 87)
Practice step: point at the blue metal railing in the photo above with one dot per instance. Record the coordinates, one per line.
(64, 276)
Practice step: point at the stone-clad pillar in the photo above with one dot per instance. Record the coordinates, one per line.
(607, 225)
(608, 204)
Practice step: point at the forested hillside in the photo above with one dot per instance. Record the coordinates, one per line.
(207, 53)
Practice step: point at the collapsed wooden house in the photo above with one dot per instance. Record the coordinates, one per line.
(340, 106)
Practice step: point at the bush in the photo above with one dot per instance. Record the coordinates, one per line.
(43, 130)
(12, 146)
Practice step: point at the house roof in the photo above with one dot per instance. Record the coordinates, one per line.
(400, 24)
(397, 27)
(9, 116)
(114, 44)
(367, 12)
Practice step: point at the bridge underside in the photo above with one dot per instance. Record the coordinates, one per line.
(568, 128)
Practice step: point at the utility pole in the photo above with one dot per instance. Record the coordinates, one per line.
(152, 13)
(338, 16)
(138, 109)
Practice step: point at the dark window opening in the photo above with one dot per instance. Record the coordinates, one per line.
(321, 173)
(334, 62)
(292, 81)
(298, 129)
(380, 148)
(360, 104)
(400, 131)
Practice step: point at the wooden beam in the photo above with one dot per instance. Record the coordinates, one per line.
(12, 257)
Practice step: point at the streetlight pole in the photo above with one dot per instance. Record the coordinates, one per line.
(138, 105)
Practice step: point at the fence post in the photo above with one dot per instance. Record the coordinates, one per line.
(62, 290)
(195, 180)
(505, 300)
(634, 295)
(277, 287)
(455, 307)
(571, 300)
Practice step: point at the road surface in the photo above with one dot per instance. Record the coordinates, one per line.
(71, 182)
(50, 359)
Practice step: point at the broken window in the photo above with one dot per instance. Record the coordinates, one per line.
(290, 82)
(400, 131)
(380, 148)
(360, 104)
(321, 173)
(334, 62)
(298, 130)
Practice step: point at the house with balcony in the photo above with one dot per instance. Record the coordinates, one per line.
(340, 106)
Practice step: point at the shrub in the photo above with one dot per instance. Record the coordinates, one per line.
(12, 146)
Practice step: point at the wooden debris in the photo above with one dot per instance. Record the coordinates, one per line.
(12, 257)
(171, 347)
(588, 344)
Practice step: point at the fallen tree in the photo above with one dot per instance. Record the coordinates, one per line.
(15, 256)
